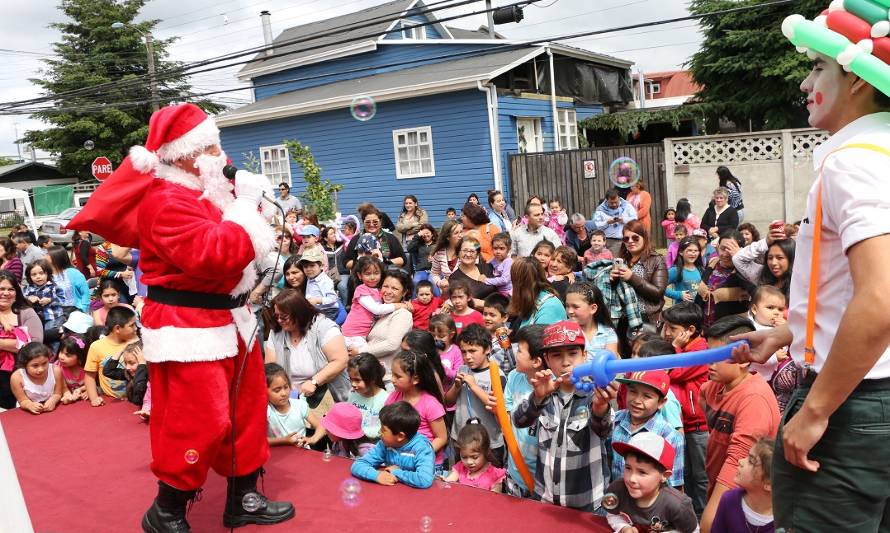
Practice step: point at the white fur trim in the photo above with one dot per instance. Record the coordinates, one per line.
(189, 344)
(248, 280)
(143, 160)
(178, 176)
(245, 323)
(244, 213)
(201, 136)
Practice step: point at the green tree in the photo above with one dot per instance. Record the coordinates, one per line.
(320, 193)
(748, 70)
(6, 161)
(91, 52)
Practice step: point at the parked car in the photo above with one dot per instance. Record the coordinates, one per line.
(55, 229)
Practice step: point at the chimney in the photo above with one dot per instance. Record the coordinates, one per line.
(267, 30)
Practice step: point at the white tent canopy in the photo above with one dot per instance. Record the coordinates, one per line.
(18, 194)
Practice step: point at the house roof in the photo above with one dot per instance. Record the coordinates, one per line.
(9, 169)
(674, 83)
(427, 79)
(481, 33)
(348, 41)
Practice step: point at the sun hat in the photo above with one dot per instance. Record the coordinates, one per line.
(344, 420)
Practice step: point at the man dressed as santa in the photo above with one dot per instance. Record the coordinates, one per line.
(198, 244)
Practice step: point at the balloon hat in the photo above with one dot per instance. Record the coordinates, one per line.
(606, 365)
(852, 32)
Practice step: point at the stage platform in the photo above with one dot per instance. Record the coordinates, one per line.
(85, 469)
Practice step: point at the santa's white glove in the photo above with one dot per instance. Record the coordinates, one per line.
(250, 187)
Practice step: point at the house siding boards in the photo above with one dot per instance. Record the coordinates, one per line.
(359, 155)
(338, 68)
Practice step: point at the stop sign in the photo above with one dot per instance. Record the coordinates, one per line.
(101, 168)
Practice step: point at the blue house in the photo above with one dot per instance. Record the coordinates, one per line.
(451, 104)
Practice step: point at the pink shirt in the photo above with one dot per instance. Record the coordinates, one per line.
(429, 409)
(489, 477)
(451, 361)
(360, 320)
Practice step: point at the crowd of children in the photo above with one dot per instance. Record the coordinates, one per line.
(678, 449)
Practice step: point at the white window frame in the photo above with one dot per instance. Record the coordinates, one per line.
(419, 131)
(567, 129)
(538, 134)
(412, 31)
(654, 88)
(278, 171)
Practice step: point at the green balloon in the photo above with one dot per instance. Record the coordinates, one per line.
(819, 38)
(866, 10)
(872, 70)
(885, 3)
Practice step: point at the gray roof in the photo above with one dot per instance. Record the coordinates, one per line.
(481, 33)
(480, 67)
(8, 169)
(384, 12)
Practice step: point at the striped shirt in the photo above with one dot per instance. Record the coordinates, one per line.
(657, 424)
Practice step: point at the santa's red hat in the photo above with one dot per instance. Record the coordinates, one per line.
(174, 132)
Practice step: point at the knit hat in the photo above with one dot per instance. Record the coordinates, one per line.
(852, 32)
(563, 333)
(344, 420)
(650, 444)
(657, 379)
(174, 132)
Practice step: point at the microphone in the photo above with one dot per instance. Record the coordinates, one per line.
(229, 172)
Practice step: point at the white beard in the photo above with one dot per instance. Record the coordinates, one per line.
(217, 188)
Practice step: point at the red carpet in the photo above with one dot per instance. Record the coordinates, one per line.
(85, 470)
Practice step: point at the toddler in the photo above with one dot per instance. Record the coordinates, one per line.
(444, 331)
(366, 304)
(44, 294)
(768, 311)
(560, 273)
(570, 424)
(461, 312)
(597, 250)
(640, 500)
(472, 388)
(72, 357)
(134, 372)
(290, 223)
(310, 235)
(668, 224)
(501, 264)
(110, 297)
(556, 219)
(403, 453)
(288, 416)
(750, 506)
(494, 315)
(368, 392)
(343, 426)
(680, 232)
(421, 248)
(475, 468)
(450, 214)
(37, 385)
(424, 304)
(120, 330)
(319, 290)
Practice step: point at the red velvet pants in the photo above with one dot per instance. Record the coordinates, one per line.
(191, 418)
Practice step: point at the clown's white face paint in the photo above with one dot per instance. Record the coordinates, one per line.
(827, 91)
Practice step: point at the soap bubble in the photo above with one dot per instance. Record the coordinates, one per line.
(624, 172)
(191, 456)
(610, 501)
(326, 457)
(363, 108)
(251, 502)
(350, 492)
(426, 524)
(89, 145)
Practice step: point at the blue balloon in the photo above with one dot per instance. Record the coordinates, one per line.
(606, 365)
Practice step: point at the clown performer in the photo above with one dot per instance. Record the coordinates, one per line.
(198, 243)
(832, 463)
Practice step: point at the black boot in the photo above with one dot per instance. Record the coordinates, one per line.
(167, 513)
(246, 505)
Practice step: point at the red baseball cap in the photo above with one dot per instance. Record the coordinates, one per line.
(652, 445)
(563, 333)
(657, 379)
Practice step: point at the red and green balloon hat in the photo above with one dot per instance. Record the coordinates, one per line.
(855, 33)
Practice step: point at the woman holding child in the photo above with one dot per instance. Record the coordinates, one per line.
(471, 270)
(385, 338)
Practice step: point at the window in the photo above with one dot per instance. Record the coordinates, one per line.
(528, 131)
(654, 88)
(414, 152)
(568, 129)
(410, 30)
(275, 163)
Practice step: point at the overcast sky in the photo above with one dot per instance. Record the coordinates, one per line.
(212, 27)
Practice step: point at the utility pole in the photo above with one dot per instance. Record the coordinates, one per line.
(152, 74)
(18, 146)
(490, 14)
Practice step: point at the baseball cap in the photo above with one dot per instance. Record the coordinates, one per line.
(367, 243)
(344, 420)
(563, 333)
(657, 379)
(313, 255)
(650, 444)
(698, 232)
(309, 229)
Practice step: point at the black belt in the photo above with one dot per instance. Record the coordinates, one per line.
(200, 300)
(866, 385)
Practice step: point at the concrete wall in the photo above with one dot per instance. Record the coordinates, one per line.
(775, 168)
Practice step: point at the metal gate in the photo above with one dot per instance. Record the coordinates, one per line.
(561, 175)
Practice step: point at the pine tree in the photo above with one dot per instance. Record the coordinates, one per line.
(747, 68)
(89, 53)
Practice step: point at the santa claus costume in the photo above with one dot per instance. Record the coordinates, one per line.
(198, 244)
